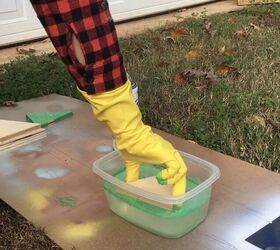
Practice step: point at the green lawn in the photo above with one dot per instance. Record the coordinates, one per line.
(238, 115)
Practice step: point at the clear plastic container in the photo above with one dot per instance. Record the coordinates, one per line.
(187, 211)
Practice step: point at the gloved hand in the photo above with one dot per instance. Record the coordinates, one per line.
(136, 141)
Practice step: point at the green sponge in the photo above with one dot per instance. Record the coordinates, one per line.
(45, 118)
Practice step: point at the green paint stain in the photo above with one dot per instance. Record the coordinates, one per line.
(67, 201)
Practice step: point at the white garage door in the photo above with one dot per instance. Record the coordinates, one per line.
(19, 23)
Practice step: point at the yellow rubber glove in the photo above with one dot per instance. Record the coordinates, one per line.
(136, 141)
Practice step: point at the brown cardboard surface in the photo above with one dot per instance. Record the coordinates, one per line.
(244, 199)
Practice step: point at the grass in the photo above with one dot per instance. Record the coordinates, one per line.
(239, 115)
(231, 116)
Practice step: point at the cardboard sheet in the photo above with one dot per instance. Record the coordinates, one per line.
(34, 178)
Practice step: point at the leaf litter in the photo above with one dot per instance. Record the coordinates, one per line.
(189, 75)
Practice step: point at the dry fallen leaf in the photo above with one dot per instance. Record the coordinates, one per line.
(2, 71)
(230, 52)
(138, 50)
(53, 55)
(207, 24)
(168, 26)
(201, 87)
(239, 32)
(192, 141)
(258, 120)
(242, 32)
(270, 49)
(9, 104)
(232, 19)
(192, 54)
(180, 79)
(163, 63)
(182, 10)
(194, 72)
(224, 69)
(208, 27)
(25, 51)
(156, 40)
(190, 74)
(169, 39)
(275, 125)
(223, 49)
(178, 32)
(255, 27)
(212, 77)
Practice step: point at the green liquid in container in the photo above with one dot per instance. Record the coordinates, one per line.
(167, 223)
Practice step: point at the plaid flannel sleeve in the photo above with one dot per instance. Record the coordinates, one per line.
(91, 22)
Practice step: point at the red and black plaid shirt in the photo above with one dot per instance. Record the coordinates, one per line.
(90, 21)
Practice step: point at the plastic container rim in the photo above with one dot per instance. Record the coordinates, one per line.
(213, 169)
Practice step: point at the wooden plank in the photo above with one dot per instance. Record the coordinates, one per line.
(150, 184)
(22, 142)
(15, 129)
(249, 2)
(23, 135)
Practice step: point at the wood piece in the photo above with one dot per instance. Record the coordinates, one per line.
(22, 142)
(24, 135)
(249, 2)
(150, 184)
(15, 129)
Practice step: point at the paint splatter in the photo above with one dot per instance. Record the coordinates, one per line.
(80, 231)
(52, 172)
(16, 184)
(32, 147)
(38, 199)
(7, 167)
(32, 151)
(104, 149)
(67, 201)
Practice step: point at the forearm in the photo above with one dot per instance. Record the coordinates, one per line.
(85, 38)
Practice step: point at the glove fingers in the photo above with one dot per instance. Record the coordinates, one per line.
(181, 172)
(172, 167)
(132, 171)
(179, 181)
(174, 171)
(180, 187)
(175, 178)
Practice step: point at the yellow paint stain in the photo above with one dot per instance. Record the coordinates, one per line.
(80, 231)
(38, 199)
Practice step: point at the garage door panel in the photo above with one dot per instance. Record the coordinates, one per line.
(18, 21)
